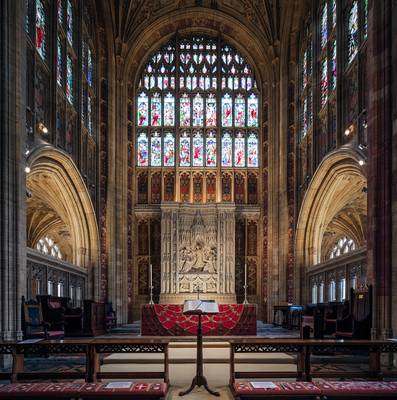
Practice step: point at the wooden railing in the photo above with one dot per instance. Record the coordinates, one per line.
(305, 349)
(92, 349)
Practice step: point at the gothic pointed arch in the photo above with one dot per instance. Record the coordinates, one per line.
(336, 192)
(59, 207)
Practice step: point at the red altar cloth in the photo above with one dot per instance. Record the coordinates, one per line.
(168, 320)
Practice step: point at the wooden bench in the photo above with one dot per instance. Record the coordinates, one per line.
(91, 349)
(308, 389)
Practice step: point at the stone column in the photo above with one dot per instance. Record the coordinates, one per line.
(394, 168)
(12, 160)
(226, 246)
(380, 162)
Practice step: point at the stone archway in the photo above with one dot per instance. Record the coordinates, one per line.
(59, 204)
(338, 185)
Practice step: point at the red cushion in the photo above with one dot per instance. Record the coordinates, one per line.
(283, 389)
(56, 333)
(141, 389)
(69, 389)
(346, 388)
(44, 389)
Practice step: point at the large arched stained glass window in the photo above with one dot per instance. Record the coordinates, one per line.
(197, 105)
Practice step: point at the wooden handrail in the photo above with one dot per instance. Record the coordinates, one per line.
(93, 348)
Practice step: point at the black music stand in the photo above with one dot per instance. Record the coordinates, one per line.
(199, 308)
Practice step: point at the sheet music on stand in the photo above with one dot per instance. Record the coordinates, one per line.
(200, 307)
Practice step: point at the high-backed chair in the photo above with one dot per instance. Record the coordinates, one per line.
(57, 311)
(33, 325)
(358, 324)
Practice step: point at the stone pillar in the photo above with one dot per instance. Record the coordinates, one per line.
(380, 162)
(394, 168)
(12, 160)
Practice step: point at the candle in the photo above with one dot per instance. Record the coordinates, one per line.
(150, 276)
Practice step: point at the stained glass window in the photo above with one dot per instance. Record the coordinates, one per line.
(60, 56)
(198, 150)
(323, 25)
(169, 150)
(169, 110)
(185, 111)
(198, 110)
(239, 111)
(252, 147)
(352, 32)
(143, 109)
(155, 110)
(155, 150)
(252, 111)
(365, 22)
(210, 111)
(69, 79)
(210, 149)
(209, 79)
(184, 150)
(90, 66)
(143, 150)
(41, 33)
(239, 150)
(333, 13)
(227, 150)
(324, 81)
(70, 21)
(61, 15)
(89, 114)
(227, 115)
(332, 83)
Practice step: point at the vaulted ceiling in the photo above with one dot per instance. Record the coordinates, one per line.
(269, 19)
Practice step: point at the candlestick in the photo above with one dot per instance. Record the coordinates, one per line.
(245, 284)
(151, 284)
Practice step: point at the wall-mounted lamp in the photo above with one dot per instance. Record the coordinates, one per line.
(27, 169)
(349, 130)
(42, 128)
(361, 162)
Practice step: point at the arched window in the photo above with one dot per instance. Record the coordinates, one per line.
(342, 246)
(61, 38)
(47, 246)
(314, 294)
(194, 93)
(305, 81)
(332, 290)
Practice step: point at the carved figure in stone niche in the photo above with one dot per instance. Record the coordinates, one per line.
(200, 258)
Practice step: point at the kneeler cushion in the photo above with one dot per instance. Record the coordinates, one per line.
(141, 389)
(46, 390)
(352, 388)
(282, 389)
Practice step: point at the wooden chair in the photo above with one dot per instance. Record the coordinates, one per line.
(33, 325)
(358, 324)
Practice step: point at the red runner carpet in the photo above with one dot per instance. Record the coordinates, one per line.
(168, 320)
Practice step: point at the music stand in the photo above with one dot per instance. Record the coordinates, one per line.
(199, 308)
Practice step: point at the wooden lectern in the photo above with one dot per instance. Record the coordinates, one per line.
(199, 308)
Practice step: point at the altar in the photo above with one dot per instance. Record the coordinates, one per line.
(169, 320)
